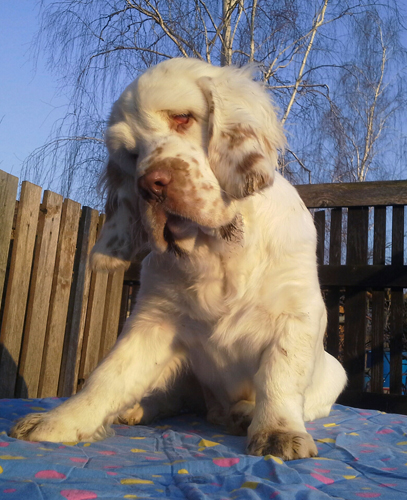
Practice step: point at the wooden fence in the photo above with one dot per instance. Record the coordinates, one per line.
(58, 319)
(363, 273)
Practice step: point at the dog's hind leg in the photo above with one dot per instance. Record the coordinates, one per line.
(182, 394)
(240, 417)
(328, 382)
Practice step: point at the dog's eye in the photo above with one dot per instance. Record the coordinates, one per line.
(182, 119)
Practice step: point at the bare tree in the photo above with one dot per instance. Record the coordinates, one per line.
(360, 122)
(97, 47)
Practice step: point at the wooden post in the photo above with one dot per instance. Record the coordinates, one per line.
(40, 294)
(78, 304)
(356, 300)
(17, 287)
(8, 193)
(377, 351)
(58, 308)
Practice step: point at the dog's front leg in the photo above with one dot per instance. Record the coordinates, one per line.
(285, 372)
(141, 355)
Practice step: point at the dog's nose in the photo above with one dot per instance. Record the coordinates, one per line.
(153, 185)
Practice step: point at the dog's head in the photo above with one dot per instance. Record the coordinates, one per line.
(186, 141)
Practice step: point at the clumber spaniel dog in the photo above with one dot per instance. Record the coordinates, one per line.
(230, 288)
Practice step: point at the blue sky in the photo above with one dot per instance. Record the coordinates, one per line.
(30, 102)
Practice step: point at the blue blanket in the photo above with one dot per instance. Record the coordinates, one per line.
(362, 454)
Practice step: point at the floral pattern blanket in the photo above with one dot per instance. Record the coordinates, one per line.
(362, 454)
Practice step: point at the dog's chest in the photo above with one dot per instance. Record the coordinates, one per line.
(213, 289)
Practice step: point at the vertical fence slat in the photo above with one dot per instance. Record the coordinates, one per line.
(78, 303)
(319, 220)
(39, 295)
(111, 316)
(8, 193)
(124, 305)
(378, 318)
(58, 308)
(94, 321)
(396, 311)
(17, 288)
(356, 300)
(333, 294)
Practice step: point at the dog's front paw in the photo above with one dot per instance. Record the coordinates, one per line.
(288, 445)
(41, 427)
(55, 428)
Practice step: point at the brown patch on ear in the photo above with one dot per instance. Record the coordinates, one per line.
(238, 135)
(255, 181)
(248, 162)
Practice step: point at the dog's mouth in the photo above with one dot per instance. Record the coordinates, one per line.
(179, 226)
(180, 233)
(177, 234)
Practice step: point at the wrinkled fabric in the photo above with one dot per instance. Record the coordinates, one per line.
(362, 454)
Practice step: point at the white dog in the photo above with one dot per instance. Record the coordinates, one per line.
(230, 288)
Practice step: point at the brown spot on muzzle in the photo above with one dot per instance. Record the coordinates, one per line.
(178, 168)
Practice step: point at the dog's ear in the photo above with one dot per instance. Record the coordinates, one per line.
(122, 235)
(244, 134)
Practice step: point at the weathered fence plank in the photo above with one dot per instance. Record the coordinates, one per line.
(94, 321)
(58, 309)
(17, 288)
(39, 295)
(396, 308)
(354, 194)
(78, 304)
(366, 276)
(124, 305)
(378, 317)
(356, 300)
(111, 315)
(333, 294)
(8, 193)
(319, 220)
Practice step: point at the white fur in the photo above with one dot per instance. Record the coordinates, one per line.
(245, 313)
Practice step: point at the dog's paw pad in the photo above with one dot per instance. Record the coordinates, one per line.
(288, 445)
(26, 426)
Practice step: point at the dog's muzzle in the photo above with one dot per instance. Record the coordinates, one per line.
(153, 185)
